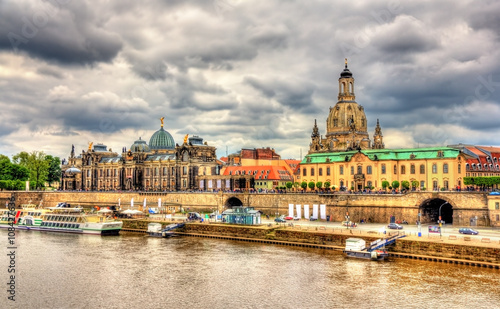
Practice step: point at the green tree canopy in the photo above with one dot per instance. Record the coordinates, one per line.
(37, 165)
(414, 184)
(303, 185)
(385, 184)
(395, 184)
(289, 185)
(319, 185)
(11, 171)
(54, 172)
(405, 184)
(311, 185)
(327, 185)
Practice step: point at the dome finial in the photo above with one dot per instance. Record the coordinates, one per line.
(161, 119)
(345, 63)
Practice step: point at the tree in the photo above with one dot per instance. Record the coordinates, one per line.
(405, 184)
(395, 184)
(319, 185)
(54, 172)
(385, 184)
(311, 185)
(414, 184)
(37, 165)
(289, 185)
(327, 185)
(11, 171)
(303, 185)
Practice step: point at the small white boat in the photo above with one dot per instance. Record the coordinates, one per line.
(155, 229)
(356, 247)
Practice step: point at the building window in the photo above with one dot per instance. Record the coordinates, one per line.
(434, 168)
(184, 170)
(403, 169)
(369, 170)
(422, 184)
(328, 171)
(360, 169)
(422, 169)
(335, 122)
(352, 170)
(369, 184)
(304, 172)
(395, 169)
(383, 168)
(312, 171)
(164, 171)
(435, 185)
(445, 168)
(445, 184)
(412, 169)
(498, 217)
(341, 170)
(320, 172)
(497, 207)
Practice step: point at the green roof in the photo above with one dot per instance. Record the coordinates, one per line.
(385, 154)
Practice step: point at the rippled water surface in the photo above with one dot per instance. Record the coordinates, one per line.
(135, 271)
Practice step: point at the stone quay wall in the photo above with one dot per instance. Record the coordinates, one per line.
(335, 239)
(377, 207)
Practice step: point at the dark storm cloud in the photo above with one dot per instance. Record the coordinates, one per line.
(296, 94)
(68, 33)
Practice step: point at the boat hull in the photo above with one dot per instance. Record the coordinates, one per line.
(366, 255)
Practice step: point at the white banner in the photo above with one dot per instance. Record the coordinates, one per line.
(202, 184)
(306, 211)
(218, 183)
(298, 210)
(228, 184)
(290, 210)
(210, 184)
(315, 211)
(322, 211)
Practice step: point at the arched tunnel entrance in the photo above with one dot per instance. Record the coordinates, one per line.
(233, 201)
(429, 210)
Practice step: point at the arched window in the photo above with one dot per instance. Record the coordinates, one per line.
(341, 170)
(467, 167)
(434, 168)
(445, 168)
(395, 169)
(360, 169)
(320, 172)
(459, 168)
(304, 172)
(369, 170)
(422, 169)
(383, 168)
(412, 169)
(328, 171)
(403, 169)
(352, 170)
(312, 171)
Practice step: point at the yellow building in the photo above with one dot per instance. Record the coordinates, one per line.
(346, 158)
(437, 168)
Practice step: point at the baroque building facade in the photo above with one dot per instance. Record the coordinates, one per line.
(346, 157)
(346, 125)
(161, 165)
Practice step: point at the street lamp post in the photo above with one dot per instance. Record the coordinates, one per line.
(440, 221)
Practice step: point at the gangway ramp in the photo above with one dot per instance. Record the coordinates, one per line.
(379, 243)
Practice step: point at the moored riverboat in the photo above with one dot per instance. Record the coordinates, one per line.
(66, 219)
(356, 248)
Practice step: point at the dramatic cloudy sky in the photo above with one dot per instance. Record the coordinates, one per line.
(244, 73)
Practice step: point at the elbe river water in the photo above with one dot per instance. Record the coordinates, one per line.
(136, 271)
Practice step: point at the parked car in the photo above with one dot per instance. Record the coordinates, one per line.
(466, 230)
(313, 218)
(296, 218)
(288, 218)
(395, 226)
(280, 219)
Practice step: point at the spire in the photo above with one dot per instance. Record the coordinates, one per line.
(378, 142)
(315, 130)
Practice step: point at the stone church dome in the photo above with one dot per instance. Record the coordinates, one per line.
(161, 140)
(139, 146)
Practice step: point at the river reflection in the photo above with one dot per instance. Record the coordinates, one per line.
(135, 271)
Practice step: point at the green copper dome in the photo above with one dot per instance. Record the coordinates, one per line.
(139, 146)
(161, 139)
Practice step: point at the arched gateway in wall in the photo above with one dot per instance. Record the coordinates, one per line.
(233, 201)
(429, 210)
